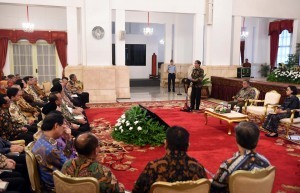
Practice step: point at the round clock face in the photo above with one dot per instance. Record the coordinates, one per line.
(98, 32)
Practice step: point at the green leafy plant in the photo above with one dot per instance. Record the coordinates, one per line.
(136, 127)
(205, 81)
(264, 70)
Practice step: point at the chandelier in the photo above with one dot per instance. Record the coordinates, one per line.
(27, 26)
(148, 31)
(244, 33)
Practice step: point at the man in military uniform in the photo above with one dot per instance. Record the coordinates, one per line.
(171, 76)
(76, 87)
(196, 83)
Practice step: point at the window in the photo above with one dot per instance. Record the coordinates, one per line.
(284, 46)
(38, 60)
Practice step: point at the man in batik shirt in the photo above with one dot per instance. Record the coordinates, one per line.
(196, 77)
(45, 149)
(86, 165)
(8, 129)
(176, 165)
(76, 87)
(247, 135)
(37, 100)
(247, 92)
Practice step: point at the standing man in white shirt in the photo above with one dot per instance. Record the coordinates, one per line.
(171, 76)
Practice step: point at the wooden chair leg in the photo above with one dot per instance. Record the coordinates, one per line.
(287, 129)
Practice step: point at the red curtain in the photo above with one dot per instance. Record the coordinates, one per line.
(58, 37)
(3, 53)
(242, 49)
(61, 48)
(275, 28)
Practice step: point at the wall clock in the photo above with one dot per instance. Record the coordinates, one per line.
(98, 32)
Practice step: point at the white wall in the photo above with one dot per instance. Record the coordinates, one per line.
(173, 6)
(257, 44)
(137, 72)
(44, 18)
(267, 8)
(183, 38)
(217, 50)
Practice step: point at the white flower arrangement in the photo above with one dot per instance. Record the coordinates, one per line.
(136, 127)
(288, 76)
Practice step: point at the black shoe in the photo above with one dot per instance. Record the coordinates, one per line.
(169, 91)
(173, 90)
(271, 135)
(85, 107)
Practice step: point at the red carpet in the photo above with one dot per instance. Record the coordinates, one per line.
(209, 144)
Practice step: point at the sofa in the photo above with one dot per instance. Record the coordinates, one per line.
(181, 72)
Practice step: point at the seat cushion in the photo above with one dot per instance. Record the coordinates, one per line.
(257, 110)
(288, 120)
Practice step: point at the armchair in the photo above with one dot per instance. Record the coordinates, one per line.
(259, 180)
(34, 175)
(271, 98)
(251, 102)
(199, 186)
(64, 184)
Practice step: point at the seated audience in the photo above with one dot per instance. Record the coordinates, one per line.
(10, 130)
(176, 165)
(3, 86)
(76, 87)
(29, 90)
(30, 112)
(47, 153)
(37, 89)
(18, 77)
(86, 164)
(247, 136)
(11, 79)
(291, 102)
(78, 124)
(247, 92)
(14, 178)
(75, 100)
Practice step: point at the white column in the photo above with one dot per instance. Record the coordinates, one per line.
(236, 39)
(296, 36)
(98, 52)
(198, 37)
(72, 27)
(119, 42)
(168, 42)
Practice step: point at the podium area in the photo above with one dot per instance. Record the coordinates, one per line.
(225, 88)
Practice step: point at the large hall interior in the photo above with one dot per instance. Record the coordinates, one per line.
(101, 62)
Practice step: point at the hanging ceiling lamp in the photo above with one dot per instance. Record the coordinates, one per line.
(27, 26)
(244, 33)
(148, 31)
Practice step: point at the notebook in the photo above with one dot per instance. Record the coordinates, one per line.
(3, 186)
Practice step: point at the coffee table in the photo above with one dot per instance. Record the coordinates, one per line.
(232, 117)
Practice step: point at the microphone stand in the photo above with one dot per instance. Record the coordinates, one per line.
(179, 93)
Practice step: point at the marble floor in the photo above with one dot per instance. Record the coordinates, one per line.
(139, 94)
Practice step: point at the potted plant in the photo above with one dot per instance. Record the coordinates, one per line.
(264, 70)
(204, 90)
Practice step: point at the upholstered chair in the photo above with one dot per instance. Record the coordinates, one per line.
(271, 99)
(65, 184)
(47, 86)
(199, 186)
(259, 180)
(251, 102)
